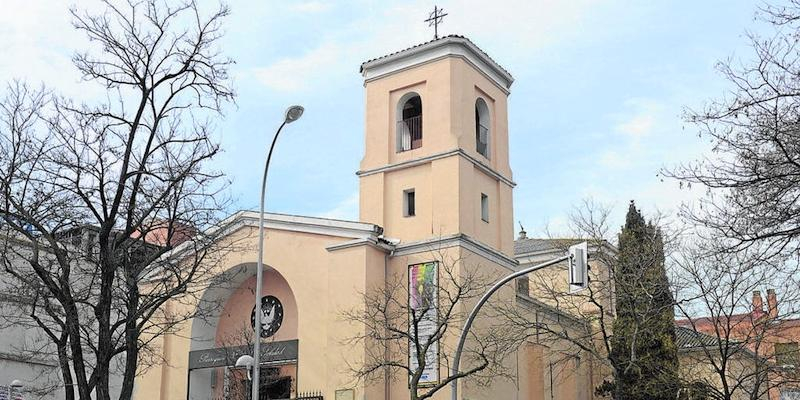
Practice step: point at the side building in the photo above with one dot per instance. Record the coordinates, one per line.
(28, 364)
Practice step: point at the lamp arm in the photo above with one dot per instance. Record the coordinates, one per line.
(260, 270)
(463, 337)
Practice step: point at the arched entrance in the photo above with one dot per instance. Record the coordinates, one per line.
(223, 332)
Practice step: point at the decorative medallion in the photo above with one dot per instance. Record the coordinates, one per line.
(271, 316)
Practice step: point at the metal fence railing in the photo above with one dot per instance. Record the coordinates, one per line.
(314, 395)
(482, 139)
(409, 133)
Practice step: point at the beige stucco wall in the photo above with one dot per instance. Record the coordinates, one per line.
(447, 189)
(528, 367)
(696, 365)
(456, 259)
(325, 283)
(322, 282)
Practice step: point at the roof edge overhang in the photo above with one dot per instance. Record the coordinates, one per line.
(326, 226)
(531, 256)
(449, 46)
(351, 230)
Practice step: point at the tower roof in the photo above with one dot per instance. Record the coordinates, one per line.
(451, 45)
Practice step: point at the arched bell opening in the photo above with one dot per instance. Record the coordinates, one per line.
(409, 122)
(482, 127)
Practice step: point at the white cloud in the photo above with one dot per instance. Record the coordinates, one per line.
(310, 7)
(346, 209)
(638, 126)
(667, 196)
(526, 24)
(612, 159)
(535, 25)
(37, 42)
(640, 122)
(301, 73)
(554, 227)
(29, 51)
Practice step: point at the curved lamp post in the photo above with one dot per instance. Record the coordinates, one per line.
(293, 113)
(578, 256)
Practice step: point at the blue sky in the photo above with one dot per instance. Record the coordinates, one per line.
(595, 110)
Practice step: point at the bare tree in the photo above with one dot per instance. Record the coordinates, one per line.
(747, 225)
(101, 204)
(400, 335)
(718, 297)
(753, 173)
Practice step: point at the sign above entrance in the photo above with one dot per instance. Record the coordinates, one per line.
(226, 356)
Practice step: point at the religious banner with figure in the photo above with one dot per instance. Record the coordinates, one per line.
(423, 303)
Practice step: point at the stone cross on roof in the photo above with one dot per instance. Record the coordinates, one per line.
(434, 19)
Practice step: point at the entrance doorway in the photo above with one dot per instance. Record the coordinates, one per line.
(277, 383)
(213, 375)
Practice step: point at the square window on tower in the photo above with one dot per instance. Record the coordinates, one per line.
(409, 206)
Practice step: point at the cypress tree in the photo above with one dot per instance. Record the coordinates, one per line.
(643, 351)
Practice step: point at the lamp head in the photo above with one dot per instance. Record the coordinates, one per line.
(294, 113)
(246, 361)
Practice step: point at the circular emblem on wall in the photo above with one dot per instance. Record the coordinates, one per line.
(271, 316)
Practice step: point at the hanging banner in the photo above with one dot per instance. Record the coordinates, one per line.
(423, 303)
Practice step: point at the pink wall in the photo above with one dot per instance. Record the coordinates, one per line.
(234, 329)
(234, 326)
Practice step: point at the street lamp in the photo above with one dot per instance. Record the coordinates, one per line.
(246, 361)
(293, 113)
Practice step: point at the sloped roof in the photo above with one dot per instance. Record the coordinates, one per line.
(686, 338)
(443, 38)
(534, 245)
(431, 45)
(734, 320)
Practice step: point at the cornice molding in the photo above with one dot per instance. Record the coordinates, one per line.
(315, 225)
(458, 240)
(284, 222)
(375, 243)
(424, 160)
(50, 362)
(454, 46)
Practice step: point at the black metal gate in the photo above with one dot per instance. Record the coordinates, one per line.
(317, 395)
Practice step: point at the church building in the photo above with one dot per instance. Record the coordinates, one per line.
(436, 187)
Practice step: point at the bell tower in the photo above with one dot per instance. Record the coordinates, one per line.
(436, 145)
